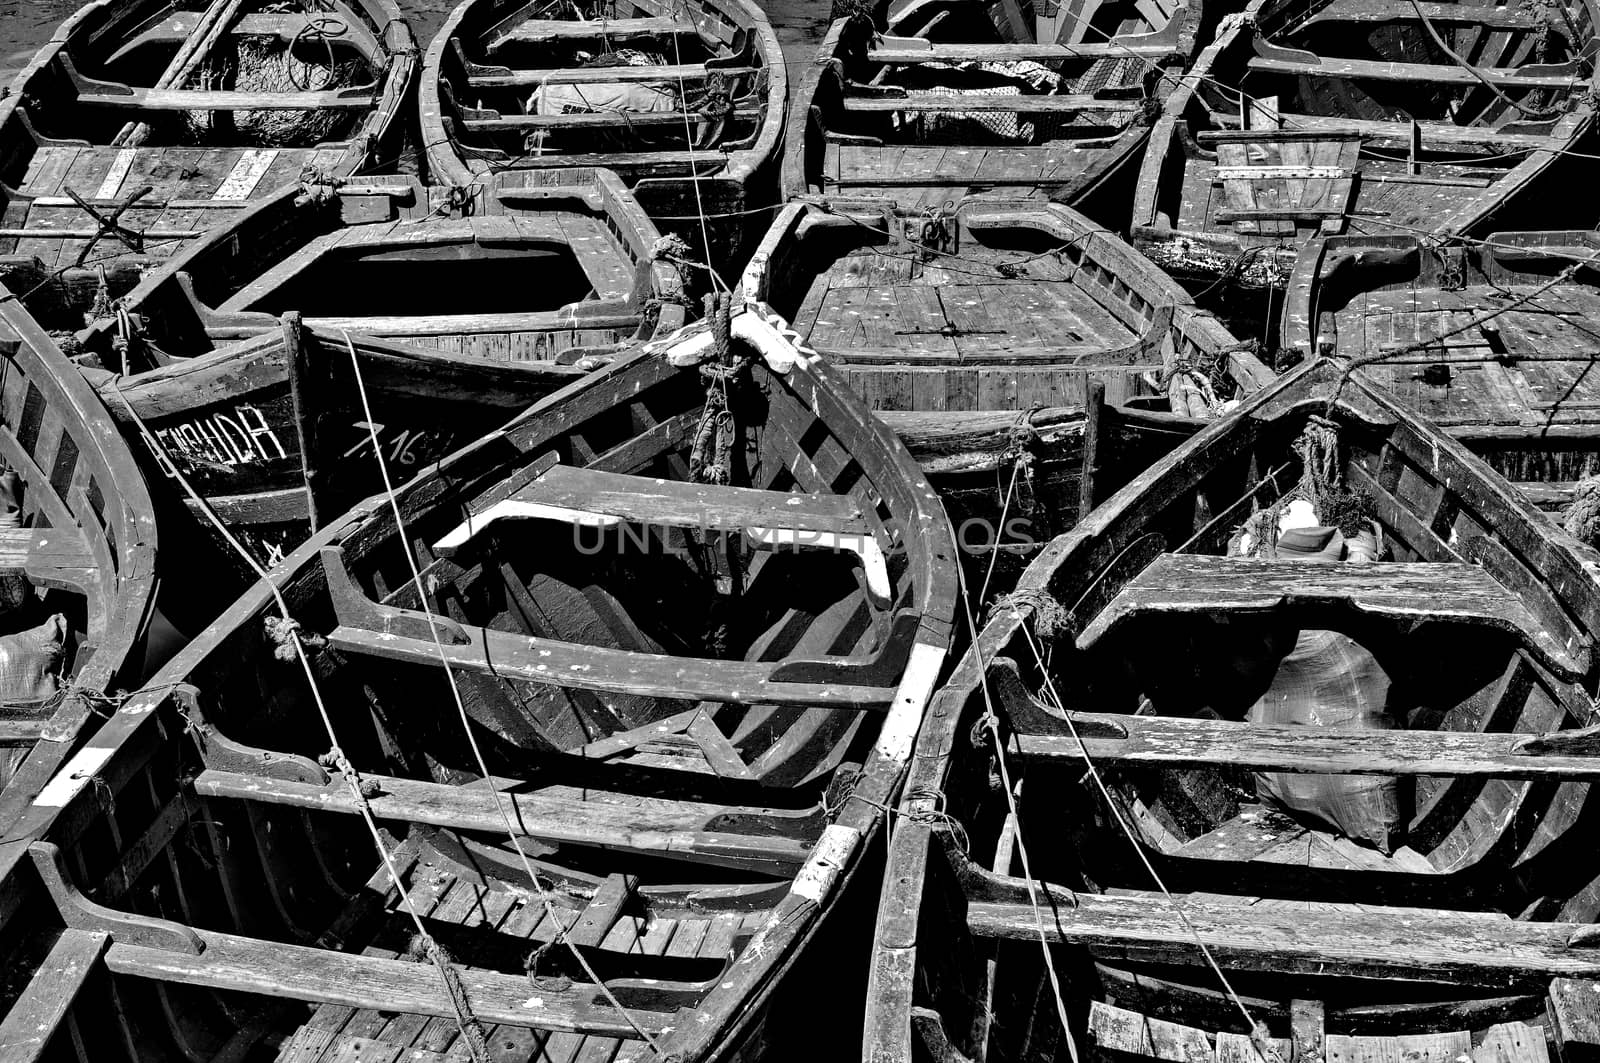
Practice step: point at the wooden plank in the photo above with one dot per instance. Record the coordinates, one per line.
(624, 120)
(602, 75)
(553, 31)
(296, 972)
(224, 100)
(113, 180)
(1512, 1042)
(899, 50)
(1187, 583)
(1379, 70)
(246, 174)
(929, 101)
(1302, 939)
(674, 829)
(1414, 1048)
(37, 1015)
(1575, 1019)
(1172, 742)
(1480, 14)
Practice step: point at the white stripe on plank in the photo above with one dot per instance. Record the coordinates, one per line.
(246, 174)
(117, 174)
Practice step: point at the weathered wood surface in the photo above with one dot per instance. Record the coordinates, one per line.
(1193, 583)
(296, 972)
(683, 830)
(38, 1014)
(1380, 70)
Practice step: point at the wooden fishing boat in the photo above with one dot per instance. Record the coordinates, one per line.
(685, 101)
(995, 303)
(1307, 120)
(696, 773)
(1054, 105)
(144, 123)
(77, 563)
(235, 358)
(1488, 341)
(1126, 755)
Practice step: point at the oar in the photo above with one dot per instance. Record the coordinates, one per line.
(213, 22)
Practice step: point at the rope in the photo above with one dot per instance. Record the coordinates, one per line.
(711, 456)
(1530, 112)
(286, 633)
(461, 709)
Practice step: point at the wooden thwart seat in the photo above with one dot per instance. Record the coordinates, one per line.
(50, 557)
(225, 100)
(770, 519)
(1488, 15)
(1301, 939)
(554, 31)
(1196, 583)
(773, 840)
(931, 101)
(627, 120)
(1379, 70)
(39, 1012)
(602, 75)
(905, 50)
(298, 972)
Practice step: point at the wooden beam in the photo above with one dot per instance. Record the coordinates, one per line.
(1464, 949)
(958, 52)
(928, 101)
(297, 972)
(1428, 73)
(38, 1013)
(775, 840)
(1403, 11)
(1172, 742)
(624, 120)
(224, 100)
(552, 31)
(603, 75)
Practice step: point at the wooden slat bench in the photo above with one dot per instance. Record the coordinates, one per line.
(1463, 593)
(774, 840)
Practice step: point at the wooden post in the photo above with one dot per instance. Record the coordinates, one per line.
(1094, 404)
(1306, 1029)
(1575, 1015)
(298, 366)
(1414, 166)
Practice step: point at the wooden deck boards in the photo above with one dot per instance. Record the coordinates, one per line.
(1553, 382)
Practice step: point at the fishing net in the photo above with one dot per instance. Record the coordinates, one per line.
(269, 64)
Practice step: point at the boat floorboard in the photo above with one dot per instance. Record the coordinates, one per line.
(340, 1034)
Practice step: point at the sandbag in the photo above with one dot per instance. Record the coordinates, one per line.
(30, 661)
(1330, 680)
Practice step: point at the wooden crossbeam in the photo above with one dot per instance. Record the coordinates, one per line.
(1197, 583)
(297, 972)
(553, 31)
(1463, 949)
(37, 1015)
(1001, 53)
(1379, 70)
(1174, 742)
(223, 100)
(930, 101)
(777, 841)
(595, 120)
(602, 75)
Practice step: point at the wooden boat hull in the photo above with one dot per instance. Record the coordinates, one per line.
(850, 140)
(1224, 201)
(490, 55)
(65, 132)
(1510, 380)
(739, 896)
(87, 545)
(957, 935)
(1034, 303)
(272, 430)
